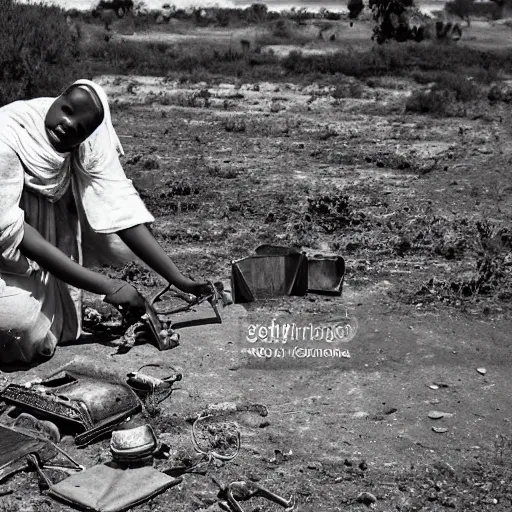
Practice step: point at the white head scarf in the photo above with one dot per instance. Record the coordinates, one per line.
(47, 171)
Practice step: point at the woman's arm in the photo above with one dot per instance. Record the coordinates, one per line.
(35, 247)
(119, 293)
(144, 245)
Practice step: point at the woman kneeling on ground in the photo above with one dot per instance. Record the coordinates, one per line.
(61, 177)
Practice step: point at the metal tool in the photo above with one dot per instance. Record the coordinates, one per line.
(35, 463)
(167, 338)
(147, 383)
(152, 390)
(211, 454)
(217, 295)
(243, 491)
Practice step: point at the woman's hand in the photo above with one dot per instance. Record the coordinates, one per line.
(199, 289)
(126, 296)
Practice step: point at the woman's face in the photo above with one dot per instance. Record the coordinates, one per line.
(71, 119)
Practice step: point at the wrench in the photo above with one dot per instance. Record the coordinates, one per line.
(243, 491)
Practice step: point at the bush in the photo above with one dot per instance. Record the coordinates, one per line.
(402, 59)
(464, 89)
(331, 211)
(160, 59)
(435, 101)
(282, 29)
(355, 7)
(466, 8)
(39, 56)
(461, 8)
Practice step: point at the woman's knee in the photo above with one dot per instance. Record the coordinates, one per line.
(25, 346)
(23, 329)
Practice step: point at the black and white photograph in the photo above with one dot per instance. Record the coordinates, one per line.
(255, 256)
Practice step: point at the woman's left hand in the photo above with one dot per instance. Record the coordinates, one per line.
(197, 288)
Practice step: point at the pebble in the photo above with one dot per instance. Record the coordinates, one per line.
(444, 467)
(481, 371)
(439, 430)
(367, 498)
(433, 386)
(437, 415)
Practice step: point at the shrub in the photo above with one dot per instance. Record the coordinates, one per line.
(466, 8)
(39, 56)
(390, 17)
(355, 7)
(435, 101)
(331, 211)
(403, 59)
(160, 59)
(119, 6)
(350, 90)
(463, 88)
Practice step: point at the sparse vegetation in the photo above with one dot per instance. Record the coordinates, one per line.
(461, 8)
(39, 56)
(401, 60)
(390, 17)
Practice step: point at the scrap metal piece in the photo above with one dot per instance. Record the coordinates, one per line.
(326, 274)
(34, 462)
(265, 276)
(152, 390)
(135, 445)
(76, 465)
(93, 403)
(216, 296)
(243, 491)
(148, 383)
(276, 271)
(16, 445)
(212, 454)
(104, 488)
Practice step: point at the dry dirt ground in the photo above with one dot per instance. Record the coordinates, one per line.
(233, 167)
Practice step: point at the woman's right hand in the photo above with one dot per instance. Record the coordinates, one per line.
(126, 296)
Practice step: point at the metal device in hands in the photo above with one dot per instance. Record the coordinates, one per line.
(216, 296)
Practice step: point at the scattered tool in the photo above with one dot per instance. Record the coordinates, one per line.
(167, 338)
(243, 491)
(35, 463)
(217, 295)
(211, 454)
(147, 383)
(152, 390)
(90, 401)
